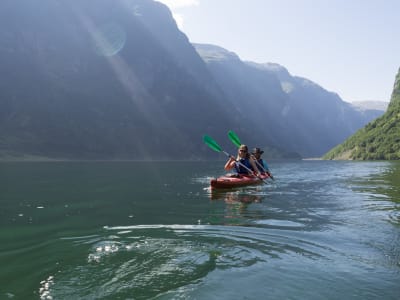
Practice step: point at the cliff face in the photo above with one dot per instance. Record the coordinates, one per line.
(103, 79)
(379, 140)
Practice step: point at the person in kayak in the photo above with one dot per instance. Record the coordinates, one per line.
(261, 164)
(244, 164)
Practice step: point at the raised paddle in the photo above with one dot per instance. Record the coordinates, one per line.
(236, 141)
(234, 138)
(214, 146)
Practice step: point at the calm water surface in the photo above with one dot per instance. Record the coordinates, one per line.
(140, 230)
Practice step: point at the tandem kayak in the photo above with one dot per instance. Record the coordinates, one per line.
(232, 181)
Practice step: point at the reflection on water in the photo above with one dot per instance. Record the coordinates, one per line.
(235, 196)
(236, 209)
(381, 191)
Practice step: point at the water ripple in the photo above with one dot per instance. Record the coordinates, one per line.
(146, 261)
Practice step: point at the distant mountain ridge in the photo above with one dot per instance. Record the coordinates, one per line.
(116, 79)
(297, 114)
(371, 105)
(378, 140)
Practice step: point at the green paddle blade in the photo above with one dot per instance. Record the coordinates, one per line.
(234, 138)
(211, 143)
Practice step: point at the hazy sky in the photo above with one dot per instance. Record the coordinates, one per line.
(351, 47)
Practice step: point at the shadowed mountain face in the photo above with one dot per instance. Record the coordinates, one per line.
(116, 79)
(103, 79)
(379, 140)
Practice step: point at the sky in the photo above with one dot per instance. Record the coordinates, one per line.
(350, 47)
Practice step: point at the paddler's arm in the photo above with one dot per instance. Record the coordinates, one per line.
(230, 163)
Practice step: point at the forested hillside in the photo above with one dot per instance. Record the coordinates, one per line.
(379, 140)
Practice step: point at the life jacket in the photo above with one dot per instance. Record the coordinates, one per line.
(242, 170)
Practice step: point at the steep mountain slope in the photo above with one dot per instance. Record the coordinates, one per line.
(379, 140)
(103, 79)
(295, 113)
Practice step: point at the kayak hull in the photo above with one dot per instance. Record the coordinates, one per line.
(233, 181)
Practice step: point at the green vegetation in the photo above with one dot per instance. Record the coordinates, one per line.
(379, 140)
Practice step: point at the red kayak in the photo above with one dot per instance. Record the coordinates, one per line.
(232, 181)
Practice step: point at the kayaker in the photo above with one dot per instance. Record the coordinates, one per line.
(243, 163)
(261, 164)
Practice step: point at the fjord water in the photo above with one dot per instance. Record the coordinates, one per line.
(142, 230)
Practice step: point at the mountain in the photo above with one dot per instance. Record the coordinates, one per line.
(116, 79)
(370, 105)
(379, 140)
(102, 79)
(295, 113)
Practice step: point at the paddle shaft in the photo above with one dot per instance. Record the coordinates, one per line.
(260, 165)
